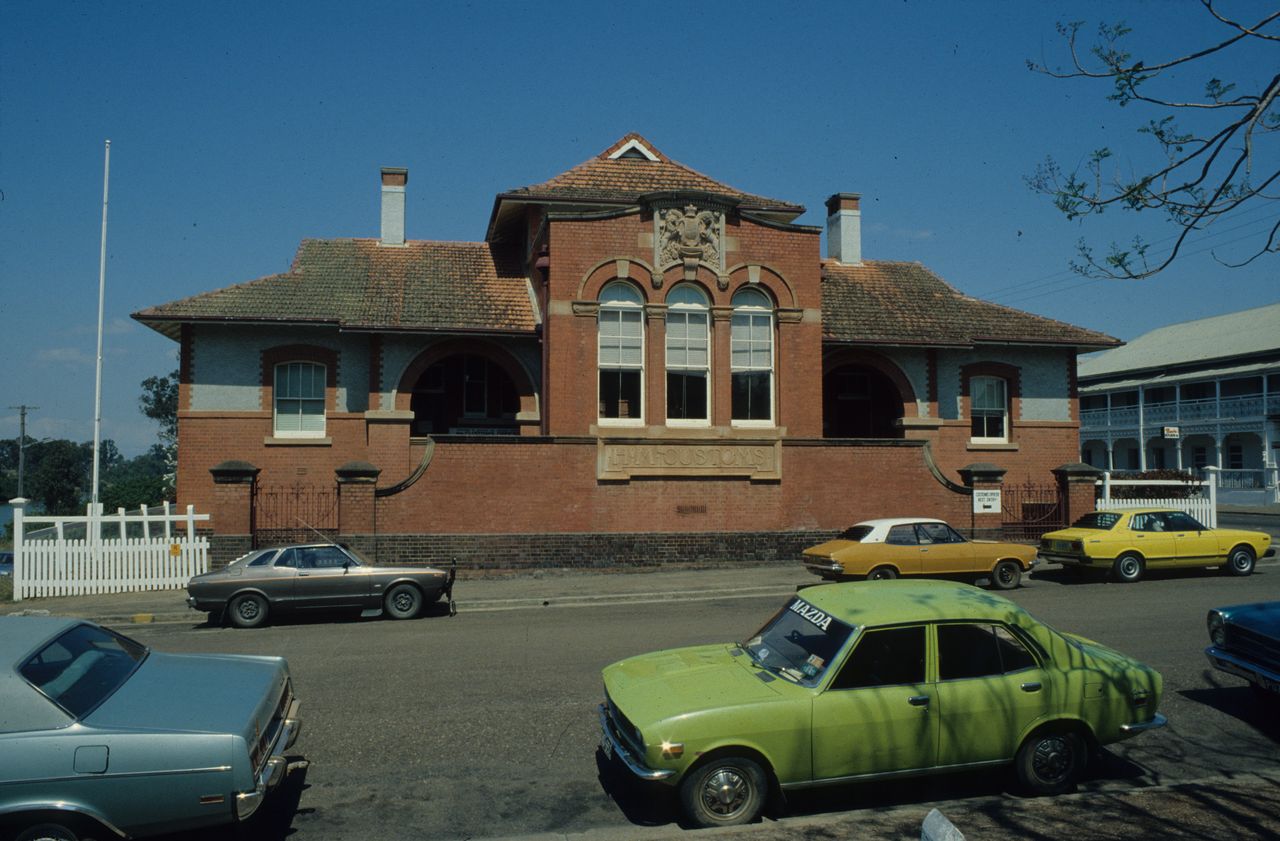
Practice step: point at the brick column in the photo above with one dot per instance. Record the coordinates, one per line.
(232, 514)
(984, 477)
(357, 482)
(1077, 489)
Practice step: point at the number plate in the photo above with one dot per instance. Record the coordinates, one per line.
(606, 746)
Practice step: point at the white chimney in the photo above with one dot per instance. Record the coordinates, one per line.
(394, 180)
(844, 228)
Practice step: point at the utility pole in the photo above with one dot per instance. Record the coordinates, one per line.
(22, 440)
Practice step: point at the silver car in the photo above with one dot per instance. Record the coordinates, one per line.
(102, 737)
(320, 576)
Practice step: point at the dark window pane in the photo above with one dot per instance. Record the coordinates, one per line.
(902, 536)
(751, 395)
(885, 658)
(686, 395)
(1014, 656)
(619, 393)
(967, 651)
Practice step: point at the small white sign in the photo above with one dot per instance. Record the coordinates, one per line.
(986, 501)
(1171, 433)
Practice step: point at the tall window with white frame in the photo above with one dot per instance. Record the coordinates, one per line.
(299, 400)
(751, 358)
(621, 354)
(688, 356)
(988, 409)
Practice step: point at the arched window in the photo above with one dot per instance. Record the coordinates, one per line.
(299, 400)
(688, 355)
(988, 409)
(621, 353)
(751, 358)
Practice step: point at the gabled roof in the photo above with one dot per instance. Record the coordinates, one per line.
(620, 175)
(1237, 335)
(891, 303)
(357, 284)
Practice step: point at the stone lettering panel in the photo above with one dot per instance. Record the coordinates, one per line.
(621, 460)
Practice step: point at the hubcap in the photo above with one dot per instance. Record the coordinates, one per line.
(725, 792)
(1129, 568)
(1242, 561)
(403, 601)
(249, 609)
(1052, 759)
(1006, 574)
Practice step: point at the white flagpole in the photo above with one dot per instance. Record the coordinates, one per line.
(97, 388)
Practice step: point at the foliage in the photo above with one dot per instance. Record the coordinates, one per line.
(159, 401)
(1186, 491)
(1222, 163)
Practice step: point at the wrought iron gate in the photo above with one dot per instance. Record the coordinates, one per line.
(293, 514)
(1030, 510)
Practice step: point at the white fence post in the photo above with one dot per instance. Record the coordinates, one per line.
(1214, 475)
(1106, 484)
(19, 507)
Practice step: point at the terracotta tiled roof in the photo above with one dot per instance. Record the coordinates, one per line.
(359, 284)
(625, 179)
(905, 303)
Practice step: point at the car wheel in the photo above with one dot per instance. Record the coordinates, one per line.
(882, 574)
(49, 832)
(1240, 561)
(1050, 762)
(248, 611)
(724, 792)
(403, 601)
(1007, 575)
(1127, 568)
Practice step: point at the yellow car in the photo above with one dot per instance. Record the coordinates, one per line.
(1126, 542)
(888, 548)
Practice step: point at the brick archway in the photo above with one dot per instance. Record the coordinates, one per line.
(521, 381)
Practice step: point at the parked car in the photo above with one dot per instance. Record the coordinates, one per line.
(1127, 542)
(1246, 643)
(6, 563)
(860, 681)
(883, 549)
(315, 577)
(104, 737)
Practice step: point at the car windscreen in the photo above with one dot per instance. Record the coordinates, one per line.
(799, 642)
(1102, 520)
(855, 533)
(83, 667)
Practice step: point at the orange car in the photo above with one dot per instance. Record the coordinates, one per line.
(881, 549)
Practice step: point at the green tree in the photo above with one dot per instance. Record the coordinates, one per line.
(159, 401)
(58, 480)
(1216, 152)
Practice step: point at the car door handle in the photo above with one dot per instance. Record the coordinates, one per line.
(303, 574)
(918, 700)
(1031, 686)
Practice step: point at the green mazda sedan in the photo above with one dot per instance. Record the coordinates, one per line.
(871, 680)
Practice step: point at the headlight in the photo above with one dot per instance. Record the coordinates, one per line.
(1217, 629)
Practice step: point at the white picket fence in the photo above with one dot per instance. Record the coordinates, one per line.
(163, 554)
(1204, 506)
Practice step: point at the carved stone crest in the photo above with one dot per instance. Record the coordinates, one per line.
(688, 234)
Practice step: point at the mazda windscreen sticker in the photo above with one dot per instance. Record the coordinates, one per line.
(811, 613)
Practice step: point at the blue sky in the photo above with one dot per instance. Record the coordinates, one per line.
(239, 128)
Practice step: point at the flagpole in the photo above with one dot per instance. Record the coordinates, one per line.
(102, 287)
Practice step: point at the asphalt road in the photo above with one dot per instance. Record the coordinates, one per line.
(483, 725)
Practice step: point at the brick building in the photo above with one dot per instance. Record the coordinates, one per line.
(638, 363)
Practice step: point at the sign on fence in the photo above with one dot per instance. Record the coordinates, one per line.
(100, 553)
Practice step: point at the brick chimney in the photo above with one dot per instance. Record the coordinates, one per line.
(844, 228)
(394, 180)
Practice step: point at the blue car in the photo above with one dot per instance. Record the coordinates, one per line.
(1246, 643)
(102, 737)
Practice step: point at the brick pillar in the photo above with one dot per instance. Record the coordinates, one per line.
(232, 514)
(1077, 489)
(984, 477)
(357, 482)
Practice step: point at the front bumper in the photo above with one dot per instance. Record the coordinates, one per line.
(1143, 726)
(1238, 666)
(612, 743)
(247, 802)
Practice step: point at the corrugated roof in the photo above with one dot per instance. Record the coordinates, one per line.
(905, 303)
(624, 179)
(359, 284)
(1230, 336)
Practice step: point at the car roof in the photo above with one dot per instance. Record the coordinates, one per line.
(897, 521)
(22, 706)
(892, 602)
(20, 635)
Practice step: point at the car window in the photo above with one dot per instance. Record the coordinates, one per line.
(885, 657)
(1181, 521)
(799, 642)
(83, 667)
(855, 533)
(1147, 522)
(902, 536)
(261, 558)
(937, 533)
(1097, 520)
(323, 557)
(979, 650)
(288, 558)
